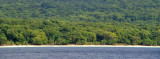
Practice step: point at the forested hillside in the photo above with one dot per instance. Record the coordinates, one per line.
(86, 10)
(37, 22)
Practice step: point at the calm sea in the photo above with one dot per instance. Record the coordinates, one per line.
(79, 53)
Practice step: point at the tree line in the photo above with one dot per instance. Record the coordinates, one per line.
(61, 22)
(82, 10)
(58, 32)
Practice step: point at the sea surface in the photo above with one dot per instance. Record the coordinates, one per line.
(79, 53)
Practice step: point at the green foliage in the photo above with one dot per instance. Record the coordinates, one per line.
(3, 39)
(51, 41)
(135, 40)
(148, 42)
(81, 40)
(81, 10)
(39, 37)
(91, 37)
(65, 32)
(61, 41)
(110, 42)
(81, 22)
(103, 42)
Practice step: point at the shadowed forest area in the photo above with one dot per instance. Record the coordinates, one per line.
(62, 22)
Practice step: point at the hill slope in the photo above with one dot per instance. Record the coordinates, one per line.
(37, 22)
(86, 10)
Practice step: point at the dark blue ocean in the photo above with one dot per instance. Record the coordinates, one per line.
(79, 53)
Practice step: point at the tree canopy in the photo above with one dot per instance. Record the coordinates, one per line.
(61, 22)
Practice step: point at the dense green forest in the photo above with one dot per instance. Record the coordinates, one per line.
(61, 22)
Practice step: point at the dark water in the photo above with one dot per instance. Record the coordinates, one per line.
(79, 53)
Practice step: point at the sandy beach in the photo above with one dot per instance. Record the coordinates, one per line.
(77, 46)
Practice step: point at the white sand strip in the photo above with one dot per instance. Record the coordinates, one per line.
(77, 46)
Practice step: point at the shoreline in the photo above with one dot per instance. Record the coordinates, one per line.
(77, 46)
